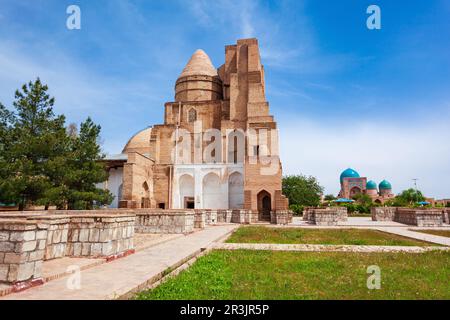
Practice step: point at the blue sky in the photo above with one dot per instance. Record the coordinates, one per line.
(343, 95)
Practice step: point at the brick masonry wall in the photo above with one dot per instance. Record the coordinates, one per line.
(419, 217)
(100, 236)
(167, 221)
(327, 217)
(383, 213)
(446, 215)
(22, 250)
(224, 216)
(281, 217)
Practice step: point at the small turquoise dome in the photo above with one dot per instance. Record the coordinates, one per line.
(349, 173)
(385, 185)
(371, 185)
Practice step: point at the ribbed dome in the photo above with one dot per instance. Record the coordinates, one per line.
(199, 65)
(385, 185)
(371, 185)
(349, 173)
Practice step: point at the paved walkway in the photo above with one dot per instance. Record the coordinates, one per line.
(406, 232)
(324, 247)
(131, 274)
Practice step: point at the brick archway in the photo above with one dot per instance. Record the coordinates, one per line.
(264, 205)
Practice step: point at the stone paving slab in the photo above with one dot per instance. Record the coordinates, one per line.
(324, 247)
(120, 277)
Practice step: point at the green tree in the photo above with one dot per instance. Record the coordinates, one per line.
(363, 199)
(410, 197)
(34, 136)
(329, 197)
(302, 190)
(40, 162)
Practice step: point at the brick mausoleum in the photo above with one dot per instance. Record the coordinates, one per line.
(226, 155)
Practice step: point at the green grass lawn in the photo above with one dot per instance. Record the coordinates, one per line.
(257, 234)
(246, 274)
(442, 233)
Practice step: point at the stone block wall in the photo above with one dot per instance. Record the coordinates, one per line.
(419, 217)
(446, 215)
(244, 216)
(329, 216)
(281, 217)
(224, 216)
(166, 221)
(383, 213)
(199, 219)
(22, 250)
(100, 236)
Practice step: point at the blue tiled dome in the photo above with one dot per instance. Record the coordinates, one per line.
(385, 185)
(349, 173)
(371, 185)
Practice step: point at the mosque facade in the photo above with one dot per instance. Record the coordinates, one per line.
(352, 184)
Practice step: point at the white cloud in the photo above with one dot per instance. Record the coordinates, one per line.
(376, 150)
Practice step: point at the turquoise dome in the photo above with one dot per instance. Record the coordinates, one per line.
(385, 185)
(371, 185)
(349, 173)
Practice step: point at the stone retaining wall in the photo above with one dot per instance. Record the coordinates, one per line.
(244, 216)
(410, 216)
(281, 217)
(30, 239)
(165, 221)
(327, 217)
(419, 217)
(383, 213)
(22, 250)
(446, 215)
(100, 236)
(224, 216)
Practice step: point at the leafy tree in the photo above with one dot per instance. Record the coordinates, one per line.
(40, 161)
(329, 197)
(363, 199)
(302, 190)
(34, 136)
(410, 197)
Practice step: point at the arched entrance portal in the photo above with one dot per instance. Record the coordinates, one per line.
(354, 191)
(264, 205)
(187, 192)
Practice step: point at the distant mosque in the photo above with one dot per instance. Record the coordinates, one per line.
(352, 184)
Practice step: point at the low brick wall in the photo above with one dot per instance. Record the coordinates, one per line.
(165, 221)
(282, 217)
(224, 216)
(419, 217)
(100, 236)
(199, 219)
(325, 216)
(383, 213)
(22, 250)
(446, 215)
(243, 216)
